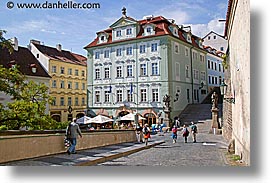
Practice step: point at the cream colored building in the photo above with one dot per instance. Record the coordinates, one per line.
(68, 84)
(237, 77)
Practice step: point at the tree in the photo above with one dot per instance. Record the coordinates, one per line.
(5, 43)
(30, 98)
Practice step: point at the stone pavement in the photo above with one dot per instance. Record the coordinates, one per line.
(86, 157)
(209, 150)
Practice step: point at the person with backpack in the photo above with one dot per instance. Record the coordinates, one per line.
(174, 134)
(146, 133)
(185, 133)
(72, 132)
(194, 131)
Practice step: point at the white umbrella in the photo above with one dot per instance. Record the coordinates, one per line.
(101, 119)
(84, 120)
(130, 117)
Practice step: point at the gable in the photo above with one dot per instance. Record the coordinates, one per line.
(123, 22)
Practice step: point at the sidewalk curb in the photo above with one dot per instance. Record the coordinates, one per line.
(117, 155)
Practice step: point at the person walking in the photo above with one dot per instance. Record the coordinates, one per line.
(139, 133)
(174, 134)
(194, 131)
(146, 133)
(72, 132)
(185, 133)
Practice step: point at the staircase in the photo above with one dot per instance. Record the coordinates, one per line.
(195, 113)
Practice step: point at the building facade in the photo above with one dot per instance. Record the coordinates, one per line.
(216, 41)
(68, 84)
(215, 69)
(237, 115)
(133, 64)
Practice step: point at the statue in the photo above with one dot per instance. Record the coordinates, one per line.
(166, 100)
(214, 100)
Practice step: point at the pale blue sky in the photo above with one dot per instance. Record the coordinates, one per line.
(74, 29)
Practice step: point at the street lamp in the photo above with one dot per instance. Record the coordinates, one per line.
(223, 88)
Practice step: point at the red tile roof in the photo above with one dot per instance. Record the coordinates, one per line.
(161, 28)
(63, 55)
(24, 59)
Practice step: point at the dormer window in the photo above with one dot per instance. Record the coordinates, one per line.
(118, 33)
(149, 29)
(33, 68)
(12, 64)
(189, 38)
(128, 31)
(102, 38)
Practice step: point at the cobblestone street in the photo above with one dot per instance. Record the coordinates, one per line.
(208, 151)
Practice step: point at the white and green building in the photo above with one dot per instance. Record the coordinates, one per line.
(134, 63)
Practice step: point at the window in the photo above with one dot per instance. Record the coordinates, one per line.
(143, 95)
(208, 64)
(216, 80)
(76, 85)
(128, 31)
(97, 54)
(203, 75)
(129, 70)
(220, 68)
(155, 95)
(97, 96)
(142, 48)
(54, 84)
(129, 50)
(37, 55)
(70, 71)
(196, 74)
(187, 71)
(119, 95)
(83, 101)
(97, 73)
(176, 48)
(214, 37)
(143, 70)
(186, 51)
(220, 80)
(155, 69)
(209, 37)
(83, 73)
(149, 29)
(129, 96)
(154, 47)
(118, 52)
(69, 101)
(76, 101)
(177, 72)
(119, 71)
(221, 48)
(62, 84)
(62, 102)
(70, 85)
(106, 96)
(118, 33)
(107, 73)
(201, 58)
(215, 66)
(106, 54)
(83, 86)
(62, 70)
(54, 101)
(209, 79)
(53, 69)
(76, 72)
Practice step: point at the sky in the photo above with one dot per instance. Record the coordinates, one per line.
(76, 28)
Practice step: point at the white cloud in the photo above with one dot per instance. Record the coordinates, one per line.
(213, 25)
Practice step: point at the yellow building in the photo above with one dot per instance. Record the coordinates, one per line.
(68, 85)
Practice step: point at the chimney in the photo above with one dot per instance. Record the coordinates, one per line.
(59, 47)
(14, 42)
(35, 41)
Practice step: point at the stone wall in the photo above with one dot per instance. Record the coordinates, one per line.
(17, 147)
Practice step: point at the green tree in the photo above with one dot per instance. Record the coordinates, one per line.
(30, 98)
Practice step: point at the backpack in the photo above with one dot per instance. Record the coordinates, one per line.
(185, 132)
(145, 130)
(174, 130)
(194, 128)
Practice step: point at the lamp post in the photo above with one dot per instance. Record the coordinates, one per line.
(223, 88)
